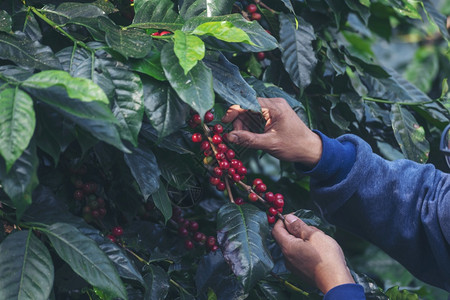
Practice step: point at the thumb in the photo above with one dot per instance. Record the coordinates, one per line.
(249, 139)
(298, 228)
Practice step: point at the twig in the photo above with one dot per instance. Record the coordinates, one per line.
(230, 194)
(289, 285)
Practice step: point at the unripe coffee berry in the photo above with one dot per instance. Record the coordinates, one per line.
(252, 197)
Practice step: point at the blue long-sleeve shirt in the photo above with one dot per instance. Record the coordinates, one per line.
(401, 206)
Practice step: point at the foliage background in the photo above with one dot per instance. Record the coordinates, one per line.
(88, 93)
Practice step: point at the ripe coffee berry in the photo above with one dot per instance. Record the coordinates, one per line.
(78, 195)
(182, 231)
(239, 201)
(111, 238)
(220, 186)
(102, 211)
(278, 203)
(235, 163)
(95, 213)
(261, 188)
(220, 156)
(196, 137)
(165, 33)
(214, 248)
(218, 172)
(252, 197)
(242, 171)
(193, 226)
(218, 129)
(199, 237)
(270, 197)
(197, 119)
(236, 177)
(222, 148)
(211, 241)
(279, 196)
(260, 55)
(232, 171)
(230, 154)
(271, 219)
(251, 8)
(205, 145)
(216, 139)
(224, 164)
(273, 211)
(280, 210)
(189, 245)
(256, 16)
(117, 231)
(214, 180)
(257, 181)
(208, 117)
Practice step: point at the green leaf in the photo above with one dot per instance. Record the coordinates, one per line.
(5, 21)
(423, 69)
(21, 179)
(130, 42)
(85, 258)
(162, 201)
(229, 84)
(194, 88)
(310, 218)
(223, 30)
(409, 134)
(144, 167)
(241, 232)
(439, 19)
(17, 123)
(149, 65)
(395, 294)
(128, 100)
(189, 49)
(27, 53)
(155, 11)
(26, 268)
(157, 283)
(68, 11)
(262, 41)
(76, 88)
(298, 56)
(163, 107)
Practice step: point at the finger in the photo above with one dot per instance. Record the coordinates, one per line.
(281, 235)
(250, 139)
(232, 113)
(298, 228)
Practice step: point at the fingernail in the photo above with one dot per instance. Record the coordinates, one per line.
(232, 137)
(290, 218)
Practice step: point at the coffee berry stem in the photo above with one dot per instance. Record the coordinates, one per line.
(208, 135)
(260, 199)
(230, 194)
(264, 5)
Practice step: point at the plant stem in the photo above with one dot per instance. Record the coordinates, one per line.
(58, 28)
(265, 6)
(365, 98)
(230, 194)
(179, 286)
(289, 285)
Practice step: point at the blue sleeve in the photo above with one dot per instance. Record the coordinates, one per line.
(401, 206)
(349, 291)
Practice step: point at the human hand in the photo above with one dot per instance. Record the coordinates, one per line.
(285, 135)
(311, 254)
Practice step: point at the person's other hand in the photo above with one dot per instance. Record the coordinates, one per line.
(311, 254)
(285, 135)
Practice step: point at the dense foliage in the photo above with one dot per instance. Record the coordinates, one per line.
(103, 193)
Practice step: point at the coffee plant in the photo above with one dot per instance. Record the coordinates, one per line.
(117, 180)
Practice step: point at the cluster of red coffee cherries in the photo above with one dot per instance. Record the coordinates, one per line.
(116, 232)
(87, 193)
(225, 168)
(189, 230)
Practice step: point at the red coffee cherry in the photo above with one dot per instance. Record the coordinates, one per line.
(209, 117)
(199, 237)
(205, 145)
(234, 163)
(220, 186)
(242, 171)
(218, 129)
(278, 203)
(271, 219)
(193, 226)
(95, 213)
(224, 164)
(197, 119)
(236, 177)
(280, 210)
(252, 197)
(261, 188)
(211, 241)
(165, 33)
(78, 195)
(222, 148)
(239, 201)
(273, 211)
(216, 139)
(230, 154)
(102, 212)
(232, 171)
(257, 181)
(220, 156)
(117, 231)
(251, 8)
(256, 16)
(214, 180)
(189, 245)
(111, 238)
(196, 137)
(260, 55)
(182, 231)
(218, 172)
(270, 197)
(214, 248)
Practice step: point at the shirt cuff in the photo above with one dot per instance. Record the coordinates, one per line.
(335, 163)
(348, 291)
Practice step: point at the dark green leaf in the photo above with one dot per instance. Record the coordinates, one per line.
(439, 19)
(177, 142)
(195, 88)
(241, 233)
(362, 10)
(150, 65)
(131, 42)
(193, 8)
(424, 68)
(371, 290)
(163, 107)
(157, 283)
(338, 63)
(26, 268)
(5, 21)
(288, 5)
(162, 201)
(76, 88)
(189, 49)
(272, 291)
(17, 123)
(262, 40)
(156, 11)
(27, 53)
(67, 11)
(145, 170)
(409, 134)
(22, 179)
(85, 258)
(310, 218)
(298, 54)
(229, 84)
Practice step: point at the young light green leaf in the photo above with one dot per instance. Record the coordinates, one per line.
(162, 202)
(189, 49)
(26, 268)
(77, 88)
(17, 122)
(85, 258)
(223, 30)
